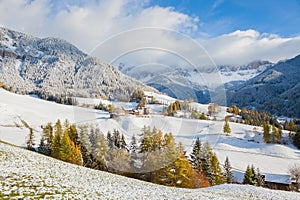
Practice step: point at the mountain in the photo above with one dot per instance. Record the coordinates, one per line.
(29, 65)
(189, 82)
(28, 175)
(276, 90)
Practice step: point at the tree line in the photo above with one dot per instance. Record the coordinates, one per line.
(272, 129)
(151, 156)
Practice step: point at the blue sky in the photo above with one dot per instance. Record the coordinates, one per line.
(231, 31)
(217, 17)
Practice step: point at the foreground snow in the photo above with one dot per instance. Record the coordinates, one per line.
(25, 174)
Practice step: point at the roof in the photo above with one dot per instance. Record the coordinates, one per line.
(271, 178)
(278, 178)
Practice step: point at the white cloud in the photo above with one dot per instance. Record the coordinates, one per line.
(86, 24)
(241, 47)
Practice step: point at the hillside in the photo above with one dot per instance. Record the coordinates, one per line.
(53, 66)
(24, 174)
(276, 90)
(243, 147)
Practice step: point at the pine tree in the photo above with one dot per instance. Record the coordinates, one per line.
(228, 171)
(253, 175)
(248, 176)
(146, 140)
(206, 161)
(133, 151)
(259, 178)
(266, 127)
(159, 139)
(133, 145)
(30, 140)
(56, 143)
(46, 139)
(100, 153)
(116, 138)
(123, 144)
(65, 148)
(85, 146)
(217, 174)
(279, 133)
(169, 153)
(274, 135)
(195, 156)
(226, 128)
(110, 140)
(73, 133)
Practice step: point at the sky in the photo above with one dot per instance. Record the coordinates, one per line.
(227, 31)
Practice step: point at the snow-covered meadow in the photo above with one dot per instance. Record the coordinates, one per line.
(243, 147)
(28, 175)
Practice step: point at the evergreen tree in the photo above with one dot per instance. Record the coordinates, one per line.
(254, 175)
(133, 151)
(248, 176)
(274, 135)
(65, 148)
(206, 161)
(117, 138)
(228, 171)
(30, 140)
(100, 153)
(133, 145)
(259, 178)
(85, 146)
(279, 133)
(146, 140)
(266, 127)
(56, 143)
(159, 139)
(180, 148)
(123, 144)
(46, 139)
(195, 156)
(73, 133)
(226, 128)
(217, 175)
(110, 140)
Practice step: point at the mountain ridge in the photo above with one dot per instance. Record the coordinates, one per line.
(51, 65)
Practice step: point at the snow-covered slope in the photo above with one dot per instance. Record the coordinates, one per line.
(243, 147)
(275, 90)
(24, 174)
(54, 66)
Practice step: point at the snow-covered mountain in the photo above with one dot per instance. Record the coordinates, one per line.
(232, 75)
(26, 174)
(190, 82)
(276, 90)
(54, 66)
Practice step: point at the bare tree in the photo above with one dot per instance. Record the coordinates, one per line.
(294, 171)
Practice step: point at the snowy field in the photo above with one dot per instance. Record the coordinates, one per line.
(28, 175)
(243, 147)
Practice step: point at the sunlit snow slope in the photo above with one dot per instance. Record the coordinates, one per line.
(26, 174)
